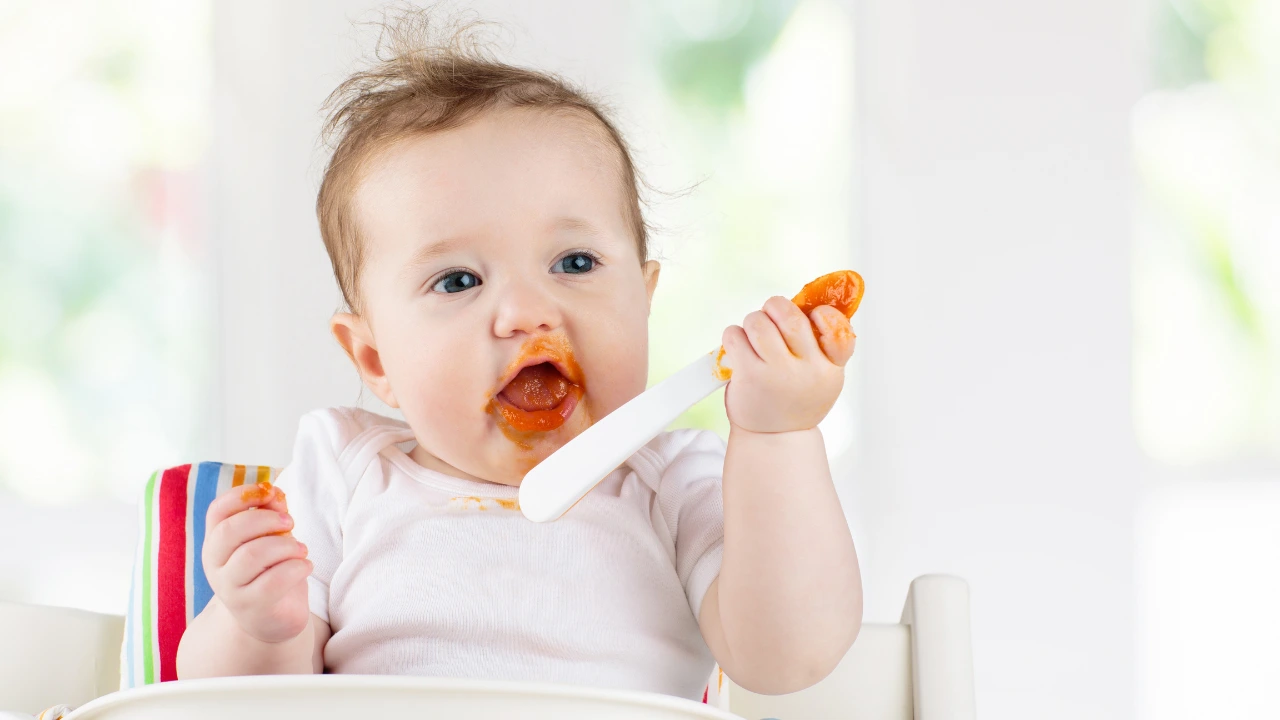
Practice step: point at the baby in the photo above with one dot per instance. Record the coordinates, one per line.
(484, 226)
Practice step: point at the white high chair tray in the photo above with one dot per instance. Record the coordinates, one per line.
(317, 697)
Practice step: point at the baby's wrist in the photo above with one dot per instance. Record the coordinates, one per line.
(741, 431)
(251, 635)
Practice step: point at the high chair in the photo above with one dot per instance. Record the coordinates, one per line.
(919, 668)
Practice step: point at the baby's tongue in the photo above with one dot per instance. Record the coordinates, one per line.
(540, 387)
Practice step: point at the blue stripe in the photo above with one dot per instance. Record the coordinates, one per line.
(206, 491)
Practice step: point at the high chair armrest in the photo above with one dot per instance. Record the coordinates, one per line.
(52, 655)
(937, 610)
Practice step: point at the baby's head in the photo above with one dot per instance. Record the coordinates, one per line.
(484, 226)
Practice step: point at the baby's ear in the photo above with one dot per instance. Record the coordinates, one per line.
(353, 334)
(651, 270)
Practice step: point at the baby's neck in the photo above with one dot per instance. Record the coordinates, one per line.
(420, 455)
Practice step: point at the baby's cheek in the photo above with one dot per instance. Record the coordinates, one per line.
(446, 394)
(615, 368)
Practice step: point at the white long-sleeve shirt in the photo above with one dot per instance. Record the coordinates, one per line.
(421, 573)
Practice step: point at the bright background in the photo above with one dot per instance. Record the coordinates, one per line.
(1067, 386)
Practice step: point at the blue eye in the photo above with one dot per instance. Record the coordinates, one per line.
(577, 263)
(456, 282)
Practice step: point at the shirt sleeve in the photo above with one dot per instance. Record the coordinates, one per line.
(689, 495)
(317, 493)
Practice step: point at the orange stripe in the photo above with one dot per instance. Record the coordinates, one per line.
(264, 473)
(237, 479)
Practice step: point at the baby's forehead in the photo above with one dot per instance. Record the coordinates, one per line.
(512, 136)
(541, 165)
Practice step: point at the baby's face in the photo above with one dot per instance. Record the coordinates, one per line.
(505, 302)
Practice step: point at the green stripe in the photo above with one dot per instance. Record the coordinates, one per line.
(148, 655)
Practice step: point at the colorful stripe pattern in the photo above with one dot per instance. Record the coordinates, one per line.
(169, 586)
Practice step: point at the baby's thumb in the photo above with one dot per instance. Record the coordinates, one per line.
(835, 335)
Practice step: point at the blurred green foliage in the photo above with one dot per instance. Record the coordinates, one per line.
(711, 72)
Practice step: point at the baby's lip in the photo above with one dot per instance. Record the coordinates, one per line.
(559, 364)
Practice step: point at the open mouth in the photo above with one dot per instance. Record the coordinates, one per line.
(539, 398)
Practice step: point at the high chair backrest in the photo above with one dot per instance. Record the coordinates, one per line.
(169, 586)
(920, 668)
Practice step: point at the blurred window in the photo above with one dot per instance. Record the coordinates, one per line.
(1207, 360)
(1207, 261)
(105, 344)
(744, 124)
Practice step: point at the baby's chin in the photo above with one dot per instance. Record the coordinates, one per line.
(505, 456)
(519, 453)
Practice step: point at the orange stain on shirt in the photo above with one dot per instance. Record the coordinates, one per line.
(467, 501)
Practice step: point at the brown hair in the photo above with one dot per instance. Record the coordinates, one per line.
(416, 86)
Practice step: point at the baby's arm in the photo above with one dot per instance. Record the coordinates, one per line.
(258, 621)
(788, 602)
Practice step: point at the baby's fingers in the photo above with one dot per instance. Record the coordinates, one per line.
(241, 498)
(737, 347)
(835, 335)
(259, 556)
(264, 494)
(275, 582)
(244, 526)
(796, 331)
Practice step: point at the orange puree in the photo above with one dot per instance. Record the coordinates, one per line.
(841, 290)
(543, 392)
(540, 387)
(721, 372)
(261, 492)
(264, 492)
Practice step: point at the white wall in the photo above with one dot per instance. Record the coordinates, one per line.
(996, 336)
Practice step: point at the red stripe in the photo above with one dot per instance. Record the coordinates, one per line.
(705, 693)
(171, 568)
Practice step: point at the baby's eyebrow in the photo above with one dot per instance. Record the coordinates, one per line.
(579, 224)
(431, 251)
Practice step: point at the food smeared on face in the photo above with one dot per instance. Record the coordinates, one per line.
(537, 388)
(543, 388)
(841, 290)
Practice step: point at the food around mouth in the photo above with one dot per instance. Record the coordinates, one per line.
(542, 395)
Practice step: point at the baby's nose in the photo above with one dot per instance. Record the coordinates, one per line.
(524, 307)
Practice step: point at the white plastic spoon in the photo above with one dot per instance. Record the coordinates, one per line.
(556, 483)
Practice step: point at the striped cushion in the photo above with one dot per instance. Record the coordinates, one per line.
(169, 586)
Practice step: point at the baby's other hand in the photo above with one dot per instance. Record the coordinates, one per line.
(787, 369)
(255, 566)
